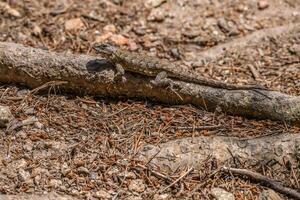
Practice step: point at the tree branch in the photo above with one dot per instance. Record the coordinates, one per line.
(89, 75)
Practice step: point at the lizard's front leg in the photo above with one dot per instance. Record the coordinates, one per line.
(120, 73)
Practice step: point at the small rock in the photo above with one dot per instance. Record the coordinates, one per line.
(93, 175)
(9, 10)
(37, 30)
(161, 196)
(269, 195)
(110, 28)
(21, 36)
(295, 49)
(134, 198)
(37, 179)
(22, 134)
(119, 39)
(29, 111)
(74, 24)
(24, 176)
(153, 3)
(129, 175)
(28, 146)
(83, 170)
(102, 194)
(84, 106)
(103, 37)
(78, 162)
(132, 45)
(227, 26)
(175, 53)
(118, 2)
(263, 4)
(23, 92)
(157, 15)
(222, 23)
(38, 125)
(137, 185)
(5, 116)
(17, 164)
(55, 183)
(221, 194)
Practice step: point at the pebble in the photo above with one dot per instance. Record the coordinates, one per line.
(161, 196)
(83, 170)
(103, 37)
(269, 195)
(119, 39)
(74, 24)
(129, 175)
(38, 125)
(55, 183)
(221, 194)
(153, 3)
(110, 28)
(175, 53)
(29, 111)
(157, 15)
(22, 134)
(9, 10)
(137, 185)
(24, 176)
(5, 116)
(23, 92)
(263, 4)
(102, 194)
(295, 49)
(37, 30)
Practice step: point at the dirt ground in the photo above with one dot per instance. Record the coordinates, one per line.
(86, 146)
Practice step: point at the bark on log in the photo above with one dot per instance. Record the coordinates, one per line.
(89, 75)
(193, 152)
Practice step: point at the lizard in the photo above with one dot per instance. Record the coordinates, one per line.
(159, 68)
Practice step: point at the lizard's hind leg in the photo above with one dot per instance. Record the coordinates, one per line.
(162, 80)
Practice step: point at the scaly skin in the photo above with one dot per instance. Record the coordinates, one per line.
(151, 66)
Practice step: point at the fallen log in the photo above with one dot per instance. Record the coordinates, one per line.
(272, 151)
(90, 75)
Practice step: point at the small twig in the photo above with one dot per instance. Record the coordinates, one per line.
(295, 177)
(91, 17)
(152, 157)
(204, 182)
(254, 72)
(17, 124)
(199, 128)
(233, 157)
(264, 180)
(176, 181)
(155, 173)
(46, 85)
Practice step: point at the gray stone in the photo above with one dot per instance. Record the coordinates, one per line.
(5, 116)
(269, 195)
(137, 185)
(221, 194)
(102, 194)
(153, 3)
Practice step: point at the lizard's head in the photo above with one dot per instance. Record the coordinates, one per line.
(106, 50)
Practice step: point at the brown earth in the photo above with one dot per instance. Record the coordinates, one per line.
(86, 146)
